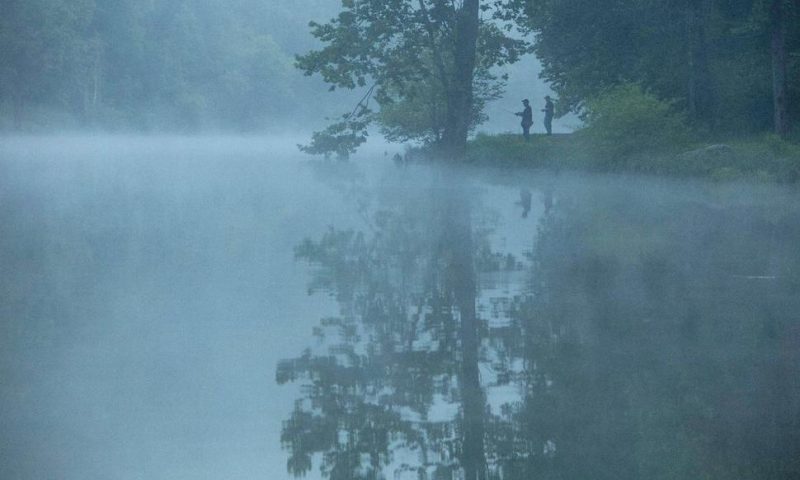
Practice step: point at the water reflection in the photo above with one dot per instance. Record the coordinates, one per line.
(648, 333)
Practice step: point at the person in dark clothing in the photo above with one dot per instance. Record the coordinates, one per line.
(549, 110)
(527, 119)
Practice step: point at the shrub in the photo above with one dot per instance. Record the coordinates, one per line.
(626, 121)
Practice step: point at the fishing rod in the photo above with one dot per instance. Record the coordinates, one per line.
(504, 109)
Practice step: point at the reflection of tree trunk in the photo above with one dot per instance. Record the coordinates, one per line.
(459, 98)
(462, 279)
(700, 93)
(779, 61)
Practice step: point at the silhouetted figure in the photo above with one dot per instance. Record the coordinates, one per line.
(527, 119)
(525, 201)
(549, 111)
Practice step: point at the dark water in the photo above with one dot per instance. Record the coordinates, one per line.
(152, 291)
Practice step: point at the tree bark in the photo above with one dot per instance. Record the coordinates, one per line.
(779, 55)
(460, 94)
(700, 93)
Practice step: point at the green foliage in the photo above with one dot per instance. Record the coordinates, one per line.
(766, 158)
(627, 120)
(416, 114)
(341, 138)
(41, 40)
(419, 112)
(431, 76)
(711, 58)
(150, 65)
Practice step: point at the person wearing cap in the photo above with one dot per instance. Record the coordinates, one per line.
(527, 119)
(549, 110)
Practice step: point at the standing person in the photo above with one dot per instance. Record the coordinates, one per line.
(549, 110)
(527, 119)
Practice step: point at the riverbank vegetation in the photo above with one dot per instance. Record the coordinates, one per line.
(763, 157)
(699, 88)
(630, 130)
(729, 67)
(704, 88)
(429, 66)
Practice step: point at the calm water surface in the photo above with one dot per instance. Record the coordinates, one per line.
(205, 308)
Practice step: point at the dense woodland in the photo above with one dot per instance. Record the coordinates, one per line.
(712, 67)
(730, 65)
(158, 64)
(721, 66)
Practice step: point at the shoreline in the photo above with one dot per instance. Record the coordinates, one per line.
(760, 158)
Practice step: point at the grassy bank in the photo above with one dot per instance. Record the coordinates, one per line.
(763, 158)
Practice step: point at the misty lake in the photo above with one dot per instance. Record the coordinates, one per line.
(225, 308)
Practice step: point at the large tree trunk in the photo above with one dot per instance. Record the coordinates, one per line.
(700, 91)
(464, 288)
(459, 98)
(779, 61)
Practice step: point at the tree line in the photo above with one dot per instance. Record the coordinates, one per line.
(426, 68)
(731, 66)
(727, 67)
(126, 64)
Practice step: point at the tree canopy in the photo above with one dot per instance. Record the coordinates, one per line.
(425, 68)
(426, 63)
(176, 65)
(731, 65)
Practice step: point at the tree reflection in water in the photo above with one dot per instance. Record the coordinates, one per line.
(654, 337)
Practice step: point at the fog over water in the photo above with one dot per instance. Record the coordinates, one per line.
(149, 288)
(153, 289)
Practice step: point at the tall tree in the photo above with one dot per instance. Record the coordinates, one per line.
(700, 88)
(394, 49)
(45, 45)
(728, 64)
(156, 64)
(779, 55)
